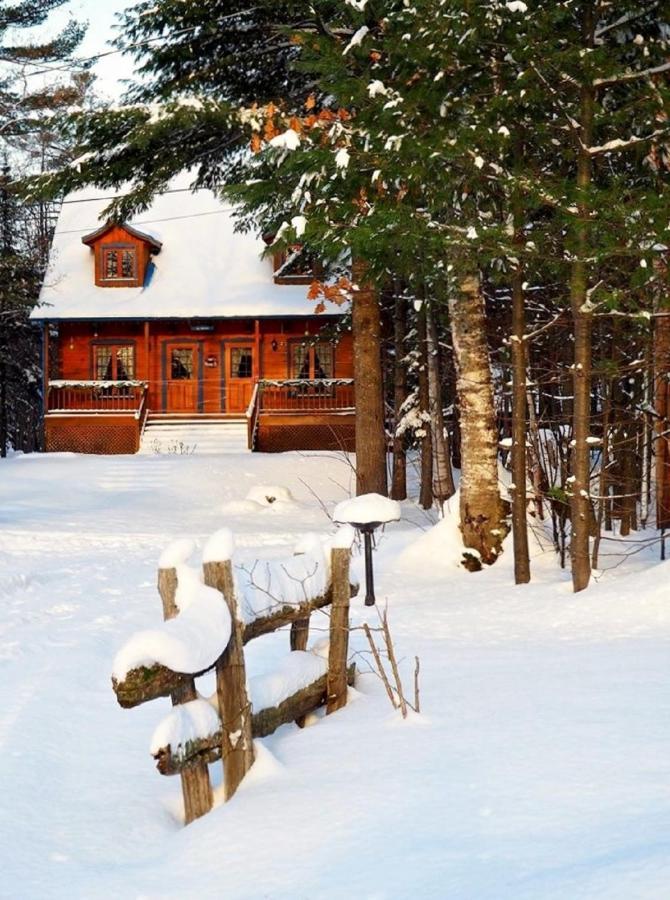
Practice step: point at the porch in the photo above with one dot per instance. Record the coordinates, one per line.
(101, 416)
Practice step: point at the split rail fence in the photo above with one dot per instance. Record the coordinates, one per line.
(201, 731)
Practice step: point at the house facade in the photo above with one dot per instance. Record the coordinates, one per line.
(174, 317)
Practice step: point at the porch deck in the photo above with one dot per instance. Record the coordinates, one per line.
(110, 416)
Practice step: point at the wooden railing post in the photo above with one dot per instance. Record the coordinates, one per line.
(195, 784)
(339, 630)
(231, 685)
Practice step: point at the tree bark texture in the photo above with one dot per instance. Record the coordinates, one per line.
(580, 500)
(426, 489)
(481, 508)
(368, 386)
(443, 479)
(195, 784)
(519, 454)
(399, 477)
(662, 407)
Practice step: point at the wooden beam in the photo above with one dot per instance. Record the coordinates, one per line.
(339, 630)
(263, 723)
(237, 746)
(195, 784)
(150, 682)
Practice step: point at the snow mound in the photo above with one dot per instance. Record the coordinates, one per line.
(266, 495)
(190, 643)
(190, 721)
(366, 509)
(179, 551)
(219, 547)
(441, 547)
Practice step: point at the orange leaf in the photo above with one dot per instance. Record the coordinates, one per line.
(256, 142)
(319, 308)
(314, 290)
(310, 102)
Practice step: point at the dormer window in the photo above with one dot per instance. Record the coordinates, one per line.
(295, 265)
(122, 255)
(119, 262)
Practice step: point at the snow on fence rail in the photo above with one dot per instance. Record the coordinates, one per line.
(208, 621)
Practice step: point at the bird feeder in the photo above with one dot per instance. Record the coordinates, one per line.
(366, 513)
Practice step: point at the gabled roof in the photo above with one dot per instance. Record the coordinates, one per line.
(205, 267)
(89, 239)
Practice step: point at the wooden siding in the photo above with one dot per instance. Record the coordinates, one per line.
(76, 342)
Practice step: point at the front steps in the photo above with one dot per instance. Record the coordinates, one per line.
(186, 435)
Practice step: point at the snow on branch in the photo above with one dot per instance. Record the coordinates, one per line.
(631, 76)
(621, 144)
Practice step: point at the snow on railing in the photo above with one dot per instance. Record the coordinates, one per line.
(302, 394)
(96, 396)
(210, 616)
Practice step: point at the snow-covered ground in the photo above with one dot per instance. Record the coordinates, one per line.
(539, 768)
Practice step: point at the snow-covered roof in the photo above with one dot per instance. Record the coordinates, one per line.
(204, 268)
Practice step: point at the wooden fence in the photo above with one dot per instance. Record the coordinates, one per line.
(231, 730)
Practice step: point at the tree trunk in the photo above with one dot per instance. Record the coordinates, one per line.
(426, 491)
(443, 479)
(519, 455)
(662, 421)
(368, 386)
(399, 480)
(482, 519)
(580, 503)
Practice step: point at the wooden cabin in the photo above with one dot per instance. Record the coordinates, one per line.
(174, 317)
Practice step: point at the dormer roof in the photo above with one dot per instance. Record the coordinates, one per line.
(99, 233)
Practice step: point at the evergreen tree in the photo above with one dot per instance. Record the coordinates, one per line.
(25, 228)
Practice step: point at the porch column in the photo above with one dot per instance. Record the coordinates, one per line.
(45, 367)
(147, 363)
(257, 351)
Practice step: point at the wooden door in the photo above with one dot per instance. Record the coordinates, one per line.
(182, 377)
(239, 361)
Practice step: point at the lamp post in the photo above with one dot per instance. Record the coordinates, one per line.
(366, 513)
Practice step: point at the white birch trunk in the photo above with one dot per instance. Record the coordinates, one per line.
(482, 514)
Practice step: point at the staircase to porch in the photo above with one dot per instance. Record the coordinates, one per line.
(184, 435)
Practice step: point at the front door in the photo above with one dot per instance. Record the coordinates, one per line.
(182, 377)
(239, 362)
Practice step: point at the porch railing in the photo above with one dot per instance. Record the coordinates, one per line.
(302, 395)
(126, 397)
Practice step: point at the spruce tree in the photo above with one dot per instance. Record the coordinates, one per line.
(24, 228)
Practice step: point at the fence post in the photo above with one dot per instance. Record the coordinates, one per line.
(336, 694)
(195, 784)
(237, 751)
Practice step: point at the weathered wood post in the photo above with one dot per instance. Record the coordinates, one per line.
(339, 630)
(195, 783)
(237, 750)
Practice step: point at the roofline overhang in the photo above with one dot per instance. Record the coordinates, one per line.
(337, 315)
(154, 243)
